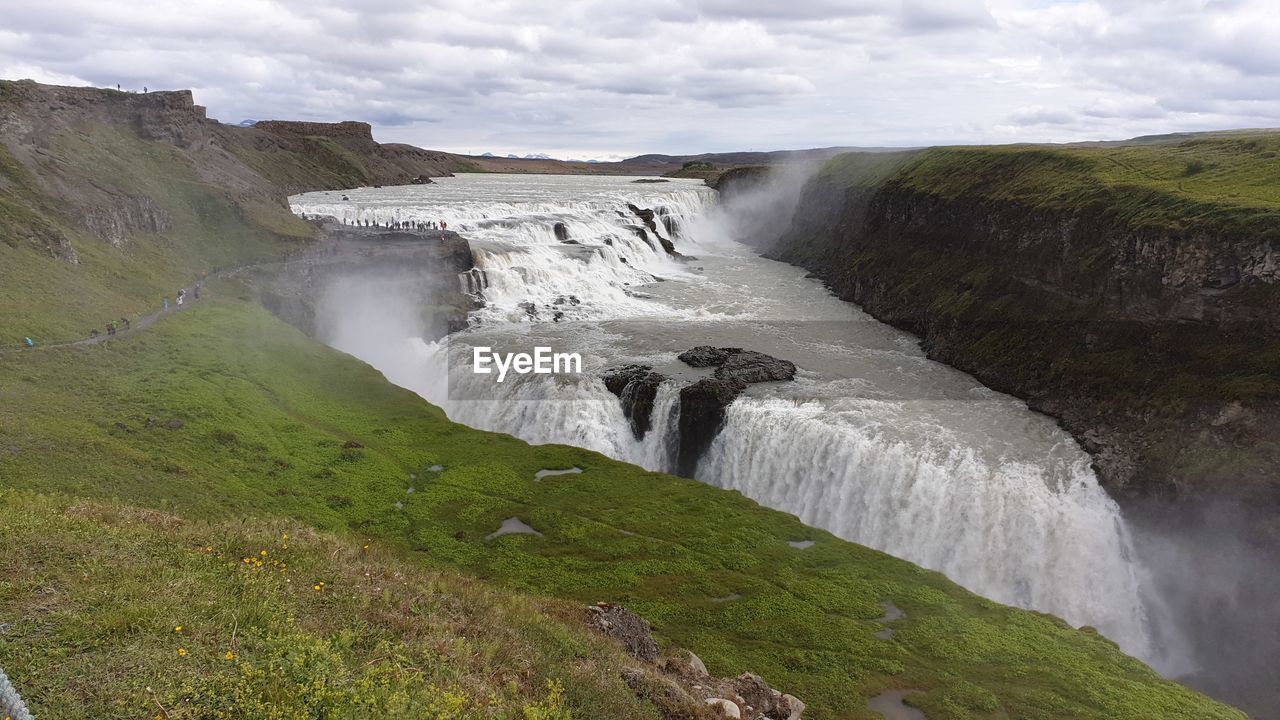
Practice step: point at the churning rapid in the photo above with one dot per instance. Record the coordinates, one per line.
(872, 441)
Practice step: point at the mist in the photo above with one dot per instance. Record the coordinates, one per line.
(757, 210)
(383, 318)
(1216, 581)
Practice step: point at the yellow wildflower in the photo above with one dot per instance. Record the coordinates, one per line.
(182, 652)
(263, 553)
(231, 655)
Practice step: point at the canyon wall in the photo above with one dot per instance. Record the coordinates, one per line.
(1144, 319)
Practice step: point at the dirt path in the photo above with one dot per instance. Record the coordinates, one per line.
(145, 320)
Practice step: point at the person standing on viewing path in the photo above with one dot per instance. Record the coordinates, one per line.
(28, 342)
(166, 304)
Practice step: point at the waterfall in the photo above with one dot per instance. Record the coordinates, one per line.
(872, 442)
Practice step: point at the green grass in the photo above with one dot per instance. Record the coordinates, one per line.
(1236, 188)
(268, 416)
(117, 611)
(52, 299)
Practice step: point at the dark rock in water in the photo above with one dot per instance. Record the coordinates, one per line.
(672, 225)
(640, 233)
(645, 214)
(637, 387)
(748, 366)
(706, 356)
(650, 181)
(562, 232)
(422, 180)
(753, 367)
(702, 406)
(529, 309)
(557, 317)
(630, 629)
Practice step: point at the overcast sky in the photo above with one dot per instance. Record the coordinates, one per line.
(607, 78)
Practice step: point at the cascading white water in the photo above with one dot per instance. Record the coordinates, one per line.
(872, 441)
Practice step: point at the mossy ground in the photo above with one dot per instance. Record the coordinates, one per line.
(1221, 185)
(115, 611)
(269, 417)
(51, 299)
(1222, 182)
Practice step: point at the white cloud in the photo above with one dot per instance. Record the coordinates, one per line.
(591, 78)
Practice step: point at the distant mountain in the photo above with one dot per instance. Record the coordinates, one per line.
(751, 157)
(488, 154)
(539, 156)
(246, 123)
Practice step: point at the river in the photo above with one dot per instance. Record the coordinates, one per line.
(872, 441)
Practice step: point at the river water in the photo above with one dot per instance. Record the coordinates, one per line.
(872, 441)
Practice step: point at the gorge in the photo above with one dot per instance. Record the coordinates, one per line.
(872, 440)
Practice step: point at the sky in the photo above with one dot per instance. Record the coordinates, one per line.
(606, 79)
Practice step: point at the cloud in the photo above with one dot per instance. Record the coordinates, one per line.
(592, 78)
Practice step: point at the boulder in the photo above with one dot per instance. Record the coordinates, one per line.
(706, 356)
(770, 703)
(728, 707)
(702, 407)
(696, 665)
(702, 404)
(561, 231)
(753, 367)
(671, 700)
(633, 631)
(637, 387)
(174, 424)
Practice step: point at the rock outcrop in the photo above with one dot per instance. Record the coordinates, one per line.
(629, 629)
(1135, 331)
(679, 685)
(702, 403)
(424, 269)
(648, 217)
(637, 387)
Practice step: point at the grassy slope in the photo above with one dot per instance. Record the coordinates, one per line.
(1139, 185)
(51, 299)
(267, 413)
(123, 612)
(1221, 183)
(1225, 182)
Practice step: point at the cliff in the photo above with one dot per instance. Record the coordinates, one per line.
(110, 200)
(1128, 290)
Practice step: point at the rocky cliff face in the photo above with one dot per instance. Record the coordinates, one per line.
(116, 184)
(423, 267)
(1157, 347)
